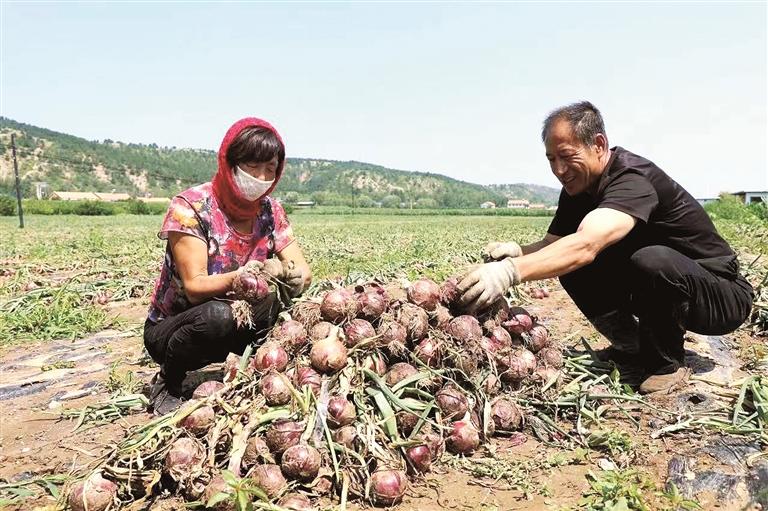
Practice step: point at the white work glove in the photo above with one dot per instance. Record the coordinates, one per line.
(486, 283)
(252, 267)
(294, 280)
(497, 250)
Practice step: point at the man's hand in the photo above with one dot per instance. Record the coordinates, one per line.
(496, 250)
(487, 283)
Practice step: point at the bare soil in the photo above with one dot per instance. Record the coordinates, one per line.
(38, 379)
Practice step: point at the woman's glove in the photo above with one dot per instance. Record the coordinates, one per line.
(294, 280)
(497, 250)
(486, 283)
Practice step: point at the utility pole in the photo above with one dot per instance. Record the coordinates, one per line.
(18, 185)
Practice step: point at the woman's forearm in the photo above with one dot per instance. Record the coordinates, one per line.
(204, 287)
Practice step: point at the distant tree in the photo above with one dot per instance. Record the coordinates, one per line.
(291, 197)
(425, 203)
(364, 201)
(390, 201)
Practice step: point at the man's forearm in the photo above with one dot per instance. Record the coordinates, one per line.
(549, 260)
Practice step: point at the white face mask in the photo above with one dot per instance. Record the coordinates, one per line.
(249, 186)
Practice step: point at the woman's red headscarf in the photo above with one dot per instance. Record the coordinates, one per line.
(230, 200)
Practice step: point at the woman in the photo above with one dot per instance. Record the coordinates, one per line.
(214, 230)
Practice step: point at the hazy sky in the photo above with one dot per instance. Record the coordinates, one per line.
(454, 88)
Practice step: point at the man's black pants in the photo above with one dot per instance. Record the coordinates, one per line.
(199, 336)
(668, 292)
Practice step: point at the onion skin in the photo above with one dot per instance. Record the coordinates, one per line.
(441, 317)
(321, 330)
(491, 385)
(465, 328)
(200, 421)
(346, 436)
(269, 478)
(301, 462)
(500, 337)
(537, 338)
(306, 376)
(249, 287)
(328, 355)
(406, 422)
(449, 291)
(184, 458)
(516, 366)
(372, 303)
(357, 331)
(393, 336)
(388, 486)
(94, 494)
(398, 372)
(216, 486)
(208, 388)
(256, 451)
(464, 438)
(420, 457)
(425, 293)
(231, 367)
(452, 402)
(506, 415)
(295, 502)
(270, 355)
(306, 312)
(276, 389)
(544, 374)
(550, 357)
(290, 334)
(375, 362)
(338, 305)
(415, 320)
(341, 412)
(429, 352)
(519, 322)
(282, 434)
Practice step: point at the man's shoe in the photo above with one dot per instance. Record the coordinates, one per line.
(665, 382)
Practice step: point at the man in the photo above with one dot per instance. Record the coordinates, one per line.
(636, 252)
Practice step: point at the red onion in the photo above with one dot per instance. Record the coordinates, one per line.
(420, 457)
(375, 362)
(338, 305)
(551, 357)
(184, 459)
(276, 389)
(217, 486)
(231, 367)
(296, 502)
(464, 328)
(500, 337)
(301, 462)
(393, 335)
(516, 365)
(490, 346)
(519, 321)
(537, 338)
(440, 317)
(270, 355)
(341, 412)
(92, 494)
(372, 302)
(256, 451)
(406, 422)
(452, 402)
(250, 287)
(544, 374)
(306, 376)
(425, 293)
(269, 478)
(432, 440)
(306, 312)
(200, 421)
(290, 334)
(321, 330)
(388, 486)
(491, 385)
(346, 436)
(506, 415)
(358, 330)
(415, 320)
(398, 372)
(328, 355)
(428, 351)
(449, 291)
(208, 388)
(282, 434)
(464, 438)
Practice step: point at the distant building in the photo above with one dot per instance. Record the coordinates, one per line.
(73, 196)
(154, 199)
(518, 203)
(537, 206)
(111, 197)
(42, 190)
(488, 205)
(305, 204)
(752, 197)
(706, 200)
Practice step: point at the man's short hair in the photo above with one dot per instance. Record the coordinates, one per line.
(583, 117)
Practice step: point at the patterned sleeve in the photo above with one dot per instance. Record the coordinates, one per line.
(181, 217)
(283, 231)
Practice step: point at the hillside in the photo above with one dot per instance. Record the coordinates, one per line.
(69, 163)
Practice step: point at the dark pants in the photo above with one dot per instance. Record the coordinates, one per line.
(199, 336)
(668, 292)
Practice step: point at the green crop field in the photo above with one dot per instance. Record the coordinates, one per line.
(57, 272)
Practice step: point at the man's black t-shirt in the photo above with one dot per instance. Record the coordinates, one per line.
(666, 214)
